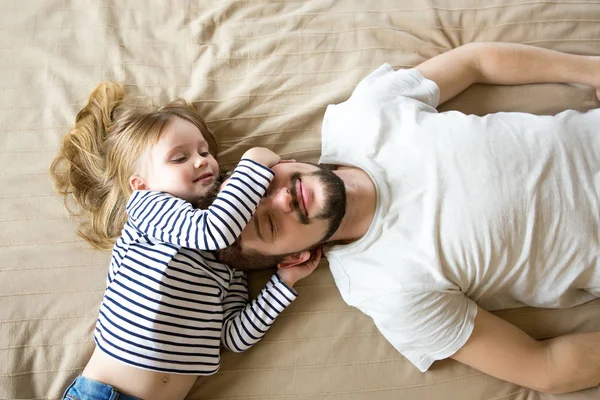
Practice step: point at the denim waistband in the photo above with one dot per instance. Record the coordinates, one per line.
(84, 388)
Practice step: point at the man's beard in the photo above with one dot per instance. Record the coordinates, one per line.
(334, 207)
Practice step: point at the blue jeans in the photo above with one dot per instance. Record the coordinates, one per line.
(87, 389)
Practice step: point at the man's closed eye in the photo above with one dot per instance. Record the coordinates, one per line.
(272, 227)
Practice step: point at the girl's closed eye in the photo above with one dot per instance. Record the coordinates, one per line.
(179, 159)
(205, 154)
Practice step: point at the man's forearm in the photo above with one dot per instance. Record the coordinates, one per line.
(563, 364)
(506, 64)
(514, 64)
(574, 362)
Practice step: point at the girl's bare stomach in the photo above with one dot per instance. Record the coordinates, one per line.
(141, 383)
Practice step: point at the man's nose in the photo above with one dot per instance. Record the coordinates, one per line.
(282, 200)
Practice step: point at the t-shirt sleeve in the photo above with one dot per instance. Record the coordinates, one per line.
(380, 104)
(172, 220)
(424, 326)
(385, 85)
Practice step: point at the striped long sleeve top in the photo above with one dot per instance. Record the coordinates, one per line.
(169, 304)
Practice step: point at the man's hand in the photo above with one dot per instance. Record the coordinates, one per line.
(291, 275)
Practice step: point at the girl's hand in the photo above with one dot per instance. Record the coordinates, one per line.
(291, 275)
(263, 156)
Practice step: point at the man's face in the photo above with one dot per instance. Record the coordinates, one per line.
(303, 204)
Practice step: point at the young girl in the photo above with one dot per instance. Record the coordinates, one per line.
(169, 303)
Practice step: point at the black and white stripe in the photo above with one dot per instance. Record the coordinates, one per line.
(172, 220)
(169, 305)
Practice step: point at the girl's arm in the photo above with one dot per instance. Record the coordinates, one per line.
(172, 220)
(245, 323)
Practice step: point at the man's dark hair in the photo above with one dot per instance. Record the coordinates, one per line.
(212, 193)
(247, 260)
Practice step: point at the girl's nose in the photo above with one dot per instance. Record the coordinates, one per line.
(199, 161)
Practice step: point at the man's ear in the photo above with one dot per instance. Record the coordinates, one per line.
(294, 259)
(137, 183)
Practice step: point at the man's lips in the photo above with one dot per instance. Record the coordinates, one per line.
(303, 198)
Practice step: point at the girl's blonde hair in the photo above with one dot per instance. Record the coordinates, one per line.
(101, 152)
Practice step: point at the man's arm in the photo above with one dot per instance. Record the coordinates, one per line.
(560, 365)
(507, 64)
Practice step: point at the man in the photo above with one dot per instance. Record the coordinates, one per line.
(434, 219)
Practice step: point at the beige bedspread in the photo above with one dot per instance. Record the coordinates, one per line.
(262, 72)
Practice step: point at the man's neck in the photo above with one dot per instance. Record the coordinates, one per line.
(361, 198)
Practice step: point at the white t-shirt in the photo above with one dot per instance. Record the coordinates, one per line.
(500, 211)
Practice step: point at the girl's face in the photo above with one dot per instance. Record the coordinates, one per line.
(179, 163)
